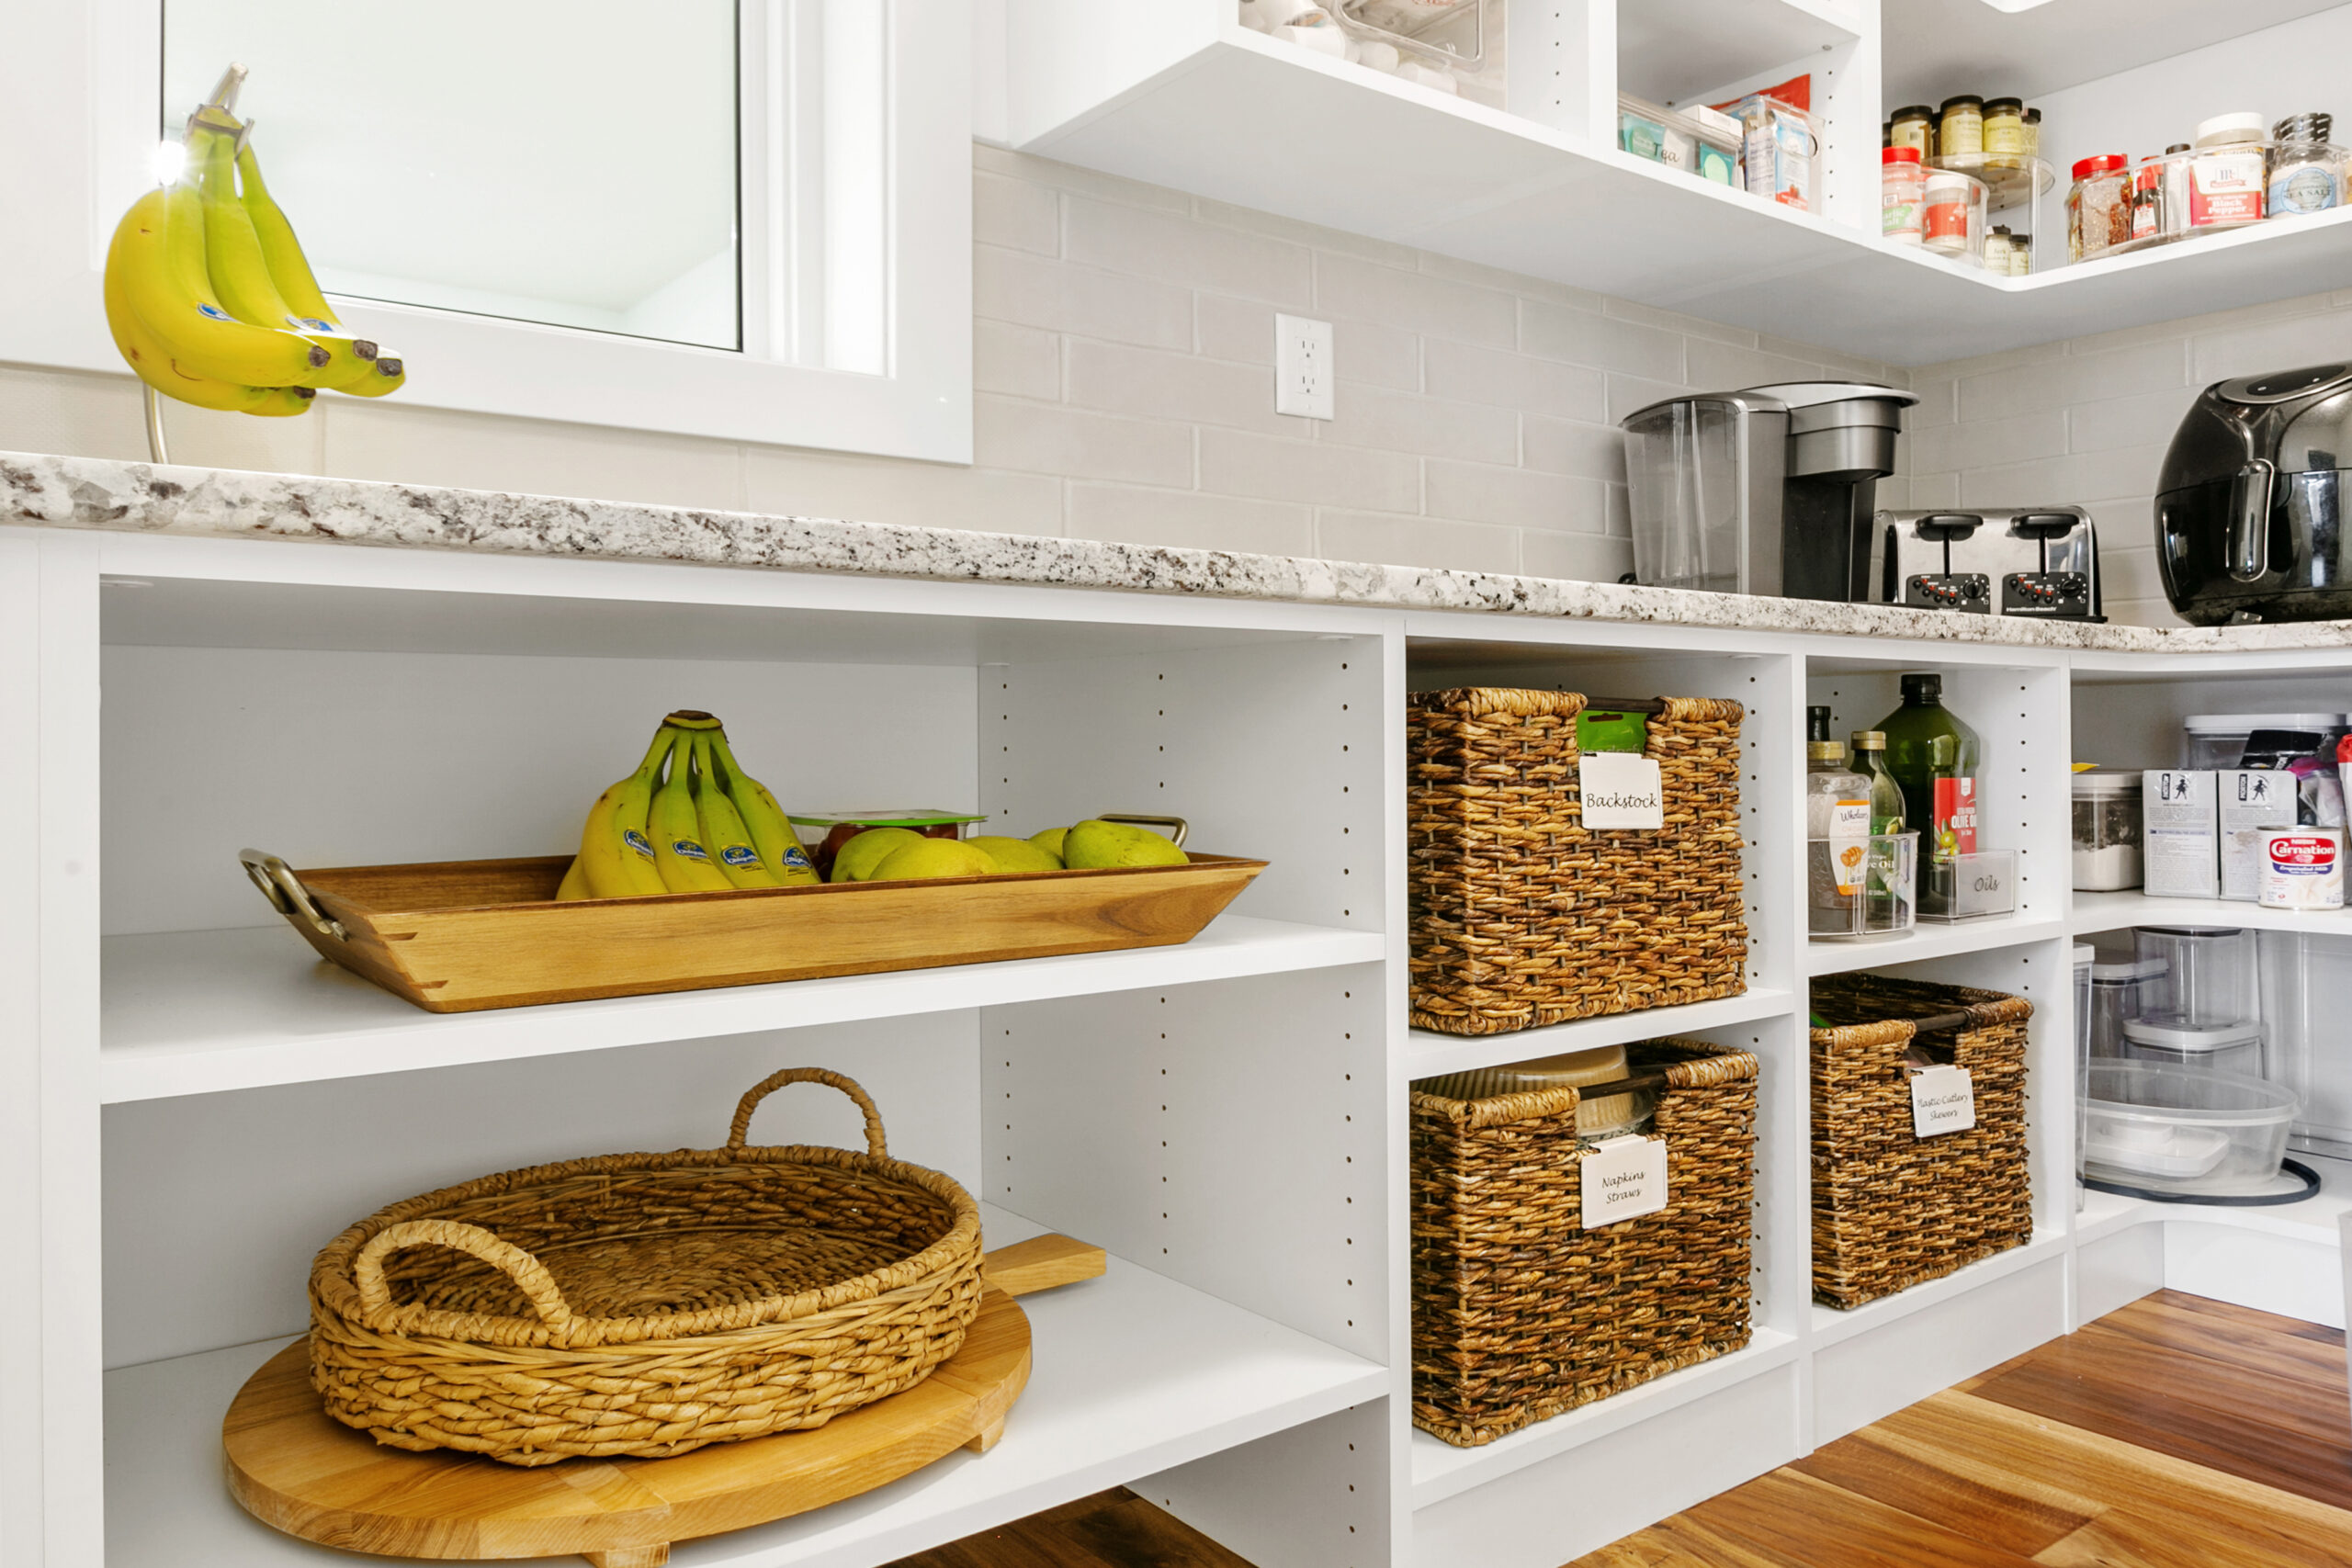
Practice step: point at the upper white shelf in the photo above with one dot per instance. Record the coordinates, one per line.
(1134, 1373)
(1936, 48)
(197, 1012)
(2117, 911)
(1929, 938)
(1428, 1054)
(1260, 123)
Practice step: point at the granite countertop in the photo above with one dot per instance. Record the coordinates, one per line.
(88, 493)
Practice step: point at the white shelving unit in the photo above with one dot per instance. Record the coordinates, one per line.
(1185, 97)
(198, 1103)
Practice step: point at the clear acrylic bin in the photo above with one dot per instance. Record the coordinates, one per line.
(1969, 887)
(1886, 903)
(2178, 1130)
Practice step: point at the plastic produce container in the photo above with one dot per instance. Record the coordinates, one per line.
(2121, 992)
(2108, 817)
(2228, 1047)
(2178, 1130)
(2216, 739)
(2210, 975)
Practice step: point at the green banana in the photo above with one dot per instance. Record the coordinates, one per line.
(289, 273)
(615, 853)
(159, 251)
(723, 833)
(233, 259)
(771, 830)
(678, 852)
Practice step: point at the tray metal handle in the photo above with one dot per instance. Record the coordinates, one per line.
(531, 1275)
(741, 1128)
(285, 893)
(1150, 819)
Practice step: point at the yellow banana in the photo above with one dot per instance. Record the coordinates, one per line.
(289, 273)
(159, 249)
(615, 852)
(233, 257)
(771, 830)
(574, 884)
(284, 402)
(723, 833)
(152, 363)
(678, 852)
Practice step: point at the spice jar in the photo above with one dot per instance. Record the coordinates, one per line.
(2004, 125)
(1902, 192)
(1913, 127)
(2228, 176)
(1997, 250)
(2306, 173)
(2098, 208)
(1960, 128)
(1954, 223)
(2020, 255)
(2029, 131)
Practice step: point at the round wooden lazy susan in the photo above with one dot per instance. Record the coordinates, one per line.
(297, 1470)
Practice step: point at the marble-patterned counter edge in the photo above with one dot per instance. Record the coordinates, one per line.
(90, 492)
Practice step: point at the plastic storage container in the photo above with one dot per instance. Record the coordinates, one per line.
(1778, 150)
(2227, 1047)
(2177, 1129)
(1701, 142)
(2306, 998)
(2216, 739)
(2108, 817)
(2121, 990)
(2084, 958)
(2098, 207)
(1951, 216)
(2210, 979)
(1888, 903)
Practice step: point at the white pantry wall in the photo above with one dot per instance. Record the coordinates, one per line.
(1124, 356)
(2087, 422)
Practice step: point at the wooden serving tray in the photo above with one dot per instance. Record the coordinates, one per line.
(298, 1470)
(458, 936)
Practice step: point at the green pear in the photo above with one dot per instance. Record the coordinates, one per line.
(855, 861)
(1014, 854)
(1050, 840)
(1095, 845)
(927, 858)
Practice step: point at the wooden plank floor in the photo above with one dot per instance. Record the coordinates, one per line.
(2176, 1433)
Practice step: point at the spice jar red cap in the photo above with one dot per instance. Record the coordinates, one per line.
(1898, 155)
(2105, 164)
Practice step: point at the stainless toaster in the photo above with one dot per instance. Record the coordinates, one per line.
(2025, 560)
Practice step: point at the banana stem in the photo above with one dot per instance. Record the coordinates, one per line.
(224, 92)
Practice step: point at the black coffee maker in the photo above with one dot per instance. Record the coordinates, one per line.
(2250, 506)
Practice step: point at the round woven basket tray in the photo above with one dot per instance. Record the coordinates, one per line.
(643, 1305)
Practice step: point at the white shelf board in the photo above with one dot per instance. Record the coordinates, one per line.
(1669, 50)
(1134, 1373)
(2117, 911)
(1371, 156)
(2317, 1219)
(1928, 939)
(1441, 1471)
(1428, 1053)
(1830, 1325)
(197, 1012)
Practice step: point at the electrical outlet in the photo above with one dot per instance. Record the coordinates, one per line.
(1302, 367)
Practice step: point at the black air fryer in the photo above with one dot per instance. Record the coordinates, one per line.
(2249, 510)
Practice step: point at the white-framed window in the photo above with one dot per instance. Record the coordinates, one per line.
(829, 308)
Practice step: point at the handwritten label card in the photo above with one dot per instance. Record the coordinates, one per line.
(1942, 1100)
(1623, 1178)
(1621, 789)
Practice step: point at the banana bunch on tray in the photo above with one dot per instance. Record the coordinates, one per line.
(705, 825)
(210, 297)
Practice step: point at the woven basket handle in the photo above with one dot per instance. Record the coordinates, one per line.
(759, 1091)
(527, 1272)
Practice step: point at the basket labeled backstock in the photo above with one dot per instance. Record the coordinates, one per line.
(1519, 1312)
(1521, 915)
(642, 1306)
(1890, 1208)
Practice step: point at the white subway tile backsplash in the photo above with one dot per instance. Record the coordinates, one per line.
(1591, 557)
(1397, 422)
(2145, 419)
(2122, 471)
(1627, 393)
(1045, 438)
(1019, 214)
(1180, 388)
(2284, 344)
(1226, 216)
(87, 415)
(1190, 519)
(381, 439)
(1722, 366)
(1466, 373)
(1941, 448)
(1241, 331)
(1568, 446)
(1482, 492)
(1416, 541)
(1234, 462)
(2073, 378)
(1023, 361)
(1070, 177)
(1139, 242)
(1585, 337)
(1012, 285)
(883, 490)
(1938, 402)
(1675, 322)
(1432, 306)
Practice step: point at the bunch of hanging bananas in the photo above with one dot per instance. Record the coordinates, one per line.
(706, 826)
(210, 297)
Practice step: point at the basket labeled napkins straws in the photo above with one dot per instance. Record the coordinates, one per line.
(643, 1305)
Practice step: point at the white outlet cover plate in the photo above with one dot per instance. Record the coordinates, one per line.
(1302, 367)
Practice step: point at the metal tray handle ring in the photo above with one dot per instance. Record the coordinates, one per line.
(285, 893)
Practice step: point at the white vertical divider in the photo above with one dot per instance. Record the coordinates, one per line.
(1561, 67)
(21, 1356)
(64, 876)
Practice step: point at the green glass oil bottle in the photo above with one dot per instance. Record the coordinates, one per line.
(1940, 802)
